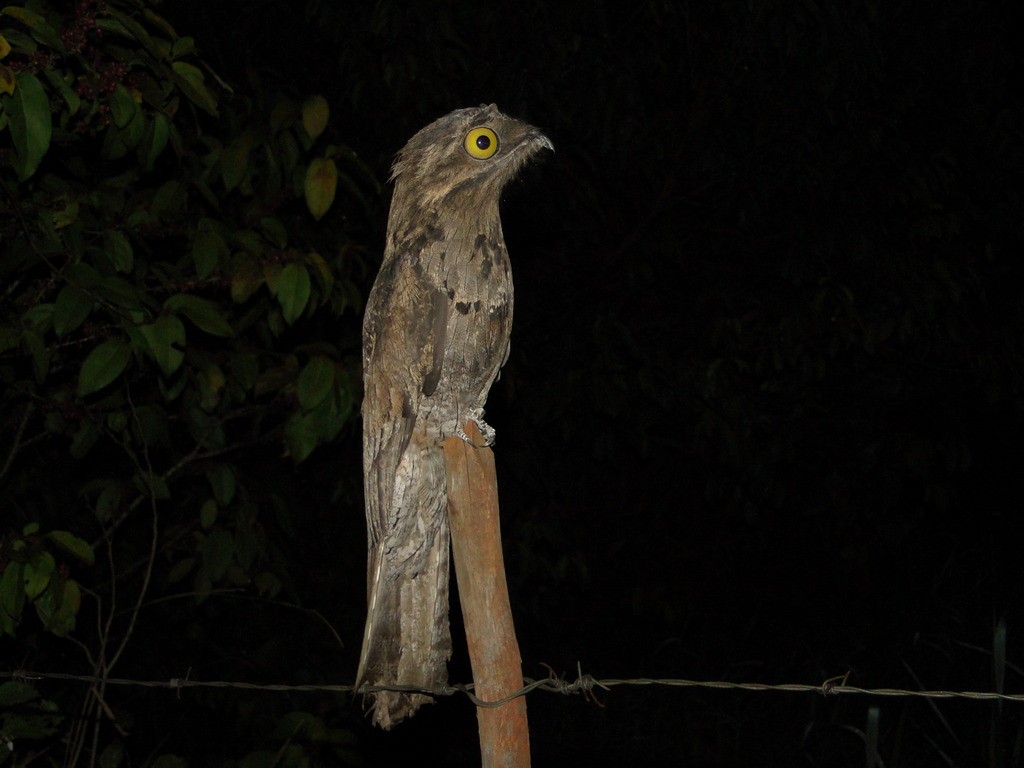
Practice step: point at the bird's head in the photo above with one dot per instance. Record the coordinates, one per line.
(473, 151)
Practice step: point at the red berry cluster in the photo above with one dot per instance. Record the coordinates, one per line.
(112, 74)
(109, 74)
(40, 60)
(84, 88)
(102, 81)
(76, 35)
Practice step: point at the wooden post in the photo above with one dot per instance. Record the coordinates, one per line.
(483, 592)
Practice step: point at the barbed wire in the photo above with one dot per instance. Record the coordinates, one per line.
(583, 684)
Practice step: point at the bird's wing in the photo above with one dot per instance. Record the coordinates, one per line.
(403, 341)
(404, 338)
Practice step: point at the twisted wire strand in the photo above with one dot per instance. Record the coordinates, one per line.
(583, 684)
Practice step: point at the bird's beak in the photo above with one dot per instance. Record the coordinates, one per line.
(541, 141)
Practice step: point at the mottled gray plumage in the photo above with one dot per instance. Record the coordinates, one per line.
(435, 335)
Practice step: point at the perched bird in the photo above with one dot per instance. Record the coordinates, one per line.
(435, 335)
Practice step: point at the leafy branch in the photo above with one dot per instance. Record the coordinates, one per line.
(170, 245)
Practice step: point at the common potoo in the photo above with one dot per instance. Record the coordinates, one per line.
(435, 335)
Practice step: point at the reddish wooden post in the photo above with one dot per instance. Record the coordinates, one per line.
(483, 592)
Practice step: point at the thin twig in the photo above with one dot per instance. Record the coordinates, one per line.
(16, 444)
(154, 536)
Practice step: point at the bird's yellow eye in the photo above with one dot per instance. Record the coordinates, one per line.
(481, 143)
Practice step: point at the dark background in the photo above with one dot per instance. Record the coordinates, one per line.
(761, 419)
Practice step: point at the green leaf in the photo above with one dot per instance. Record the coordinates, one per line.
(218, 551)
(29, 123)
(67, 217)
(38, 574)
(272, 275)
(203, 313)
(208, 248)
(33, 341)
(183, 46)
(8, 81)
(191, 81)
(331, 416)
(58, 607)
(12, 596)
(83, 275)
(234, 160)
(315, 114)
(210, 381)
(117, 421)
(70, 309)
(169, 200)
(118, 292)
(282, 115)
(39, 722)
(154, 140)
(63, 85)
(112, 755)
(84, 439)
(222, 481)
(123, 24)
(118, 142)
(208, 514)
(166, 338)
(293, 289)
(103, 365)
(322, 272)
(300, 436)
(205, 429)
(181, 569)
(274, 230)
(251, 242)
(119, 249)
(315, 382)
(73, 545)
(246, 277)
(16, 692)
(267, 584)
(153, 485)
(69, 606)
(108, 502)
(39, 317)
(122, 106)
(150, 426)
(245, 367)
(41, 29)
(321, 185)
(272, 380)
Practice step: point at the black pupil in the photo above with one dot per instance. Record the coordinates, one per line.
(483, 142)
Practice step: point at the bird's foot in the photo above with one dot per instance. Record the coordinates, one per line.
(476, 415)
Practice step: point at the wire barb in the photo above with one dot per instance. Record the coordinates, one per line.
(829, 685)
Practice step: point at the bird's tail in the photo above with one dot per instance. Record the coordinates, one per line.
(407, 640)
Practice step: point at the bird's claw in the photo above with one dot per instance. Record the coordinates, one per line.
(486, 430)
